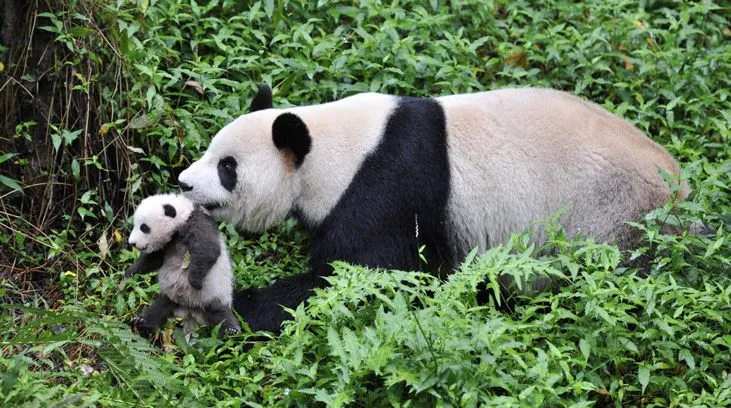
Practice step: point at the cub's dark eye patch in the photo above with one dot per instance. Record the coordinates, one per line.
(169, 210)
(227, 172)
(145, 229)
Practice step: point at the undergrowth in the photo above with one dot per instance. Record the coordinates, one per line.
(104, 103)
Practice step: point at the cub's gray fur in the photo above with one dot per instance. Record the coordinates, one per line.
(182, 242)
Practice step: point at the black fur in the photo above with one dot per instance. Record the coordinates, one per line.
(262, 308)
(227, 172)
(289, 132)
(146, 264)
(215, 316)
(200, 236)
(155, 315)
(169, 211)
(404, 181)
(262, 99)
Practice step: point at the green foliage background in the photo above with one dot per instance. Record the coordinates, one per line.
(139, 88)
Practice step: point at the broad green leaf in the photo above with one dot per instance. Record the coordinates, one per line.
(643, 376)
(10, 183)
(585, 348)
(75, 169)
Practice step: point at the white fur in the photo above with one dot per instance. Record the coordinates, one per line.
(150, 211)
(519, 155)
(343, 134)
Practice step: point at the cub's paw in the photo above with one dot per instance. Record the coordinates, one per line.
(141, 326)
(137, 322)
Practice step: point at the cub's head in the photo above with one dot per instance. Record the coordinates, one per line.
(248, 175)
(156, 219)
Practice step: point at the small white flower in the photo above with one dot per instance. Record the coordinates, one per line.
(86, 369)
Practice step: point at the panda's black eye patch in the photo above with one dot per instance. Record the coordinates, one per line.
(227, 172)
(145, 229)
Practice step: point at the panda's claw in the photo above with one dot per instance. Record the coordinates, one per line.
(230, 331)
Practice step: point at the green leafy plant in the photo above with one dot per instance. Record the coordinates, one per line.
(108, 101)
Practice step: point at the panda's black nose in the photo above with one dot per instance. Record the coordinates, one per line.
(184, 186)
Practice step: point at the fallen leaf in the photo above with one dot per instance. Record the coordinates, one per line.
(135, 149)
(186, 260)
(195, 85)
(103, 245)
(167, 340)
(627, 62)
(517, 58)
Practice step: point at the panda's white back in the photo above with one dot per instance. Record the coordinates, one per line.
(519, 155)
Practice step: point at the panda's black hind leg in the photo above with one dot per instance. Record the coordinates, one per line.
(155, 316)
(229, 323)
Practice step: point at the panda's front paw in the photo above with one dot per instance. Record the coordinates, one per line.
(231, 331)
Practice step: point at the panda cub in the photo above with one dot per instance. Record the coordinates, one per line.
(181, 240)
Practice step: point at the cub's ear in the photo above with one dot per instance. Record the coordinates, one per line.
(290, 134)
(262, 99)
(169, 210)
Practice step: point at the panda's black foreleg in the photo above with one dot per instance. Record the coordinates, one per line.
(146, 263)
(263, 309)
(201, 239)
(200, 264)
(200, 236)
(155, 316)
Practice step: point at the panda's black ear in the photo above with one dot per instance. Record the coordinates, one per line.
(290, 134)
(262, 99)
(169, 210)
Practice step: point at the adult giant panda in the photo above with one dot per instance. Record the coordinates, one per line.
(364, 173)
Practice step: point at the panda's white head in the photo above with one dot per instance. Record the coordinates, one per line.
(156, 219)
(248, 175)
